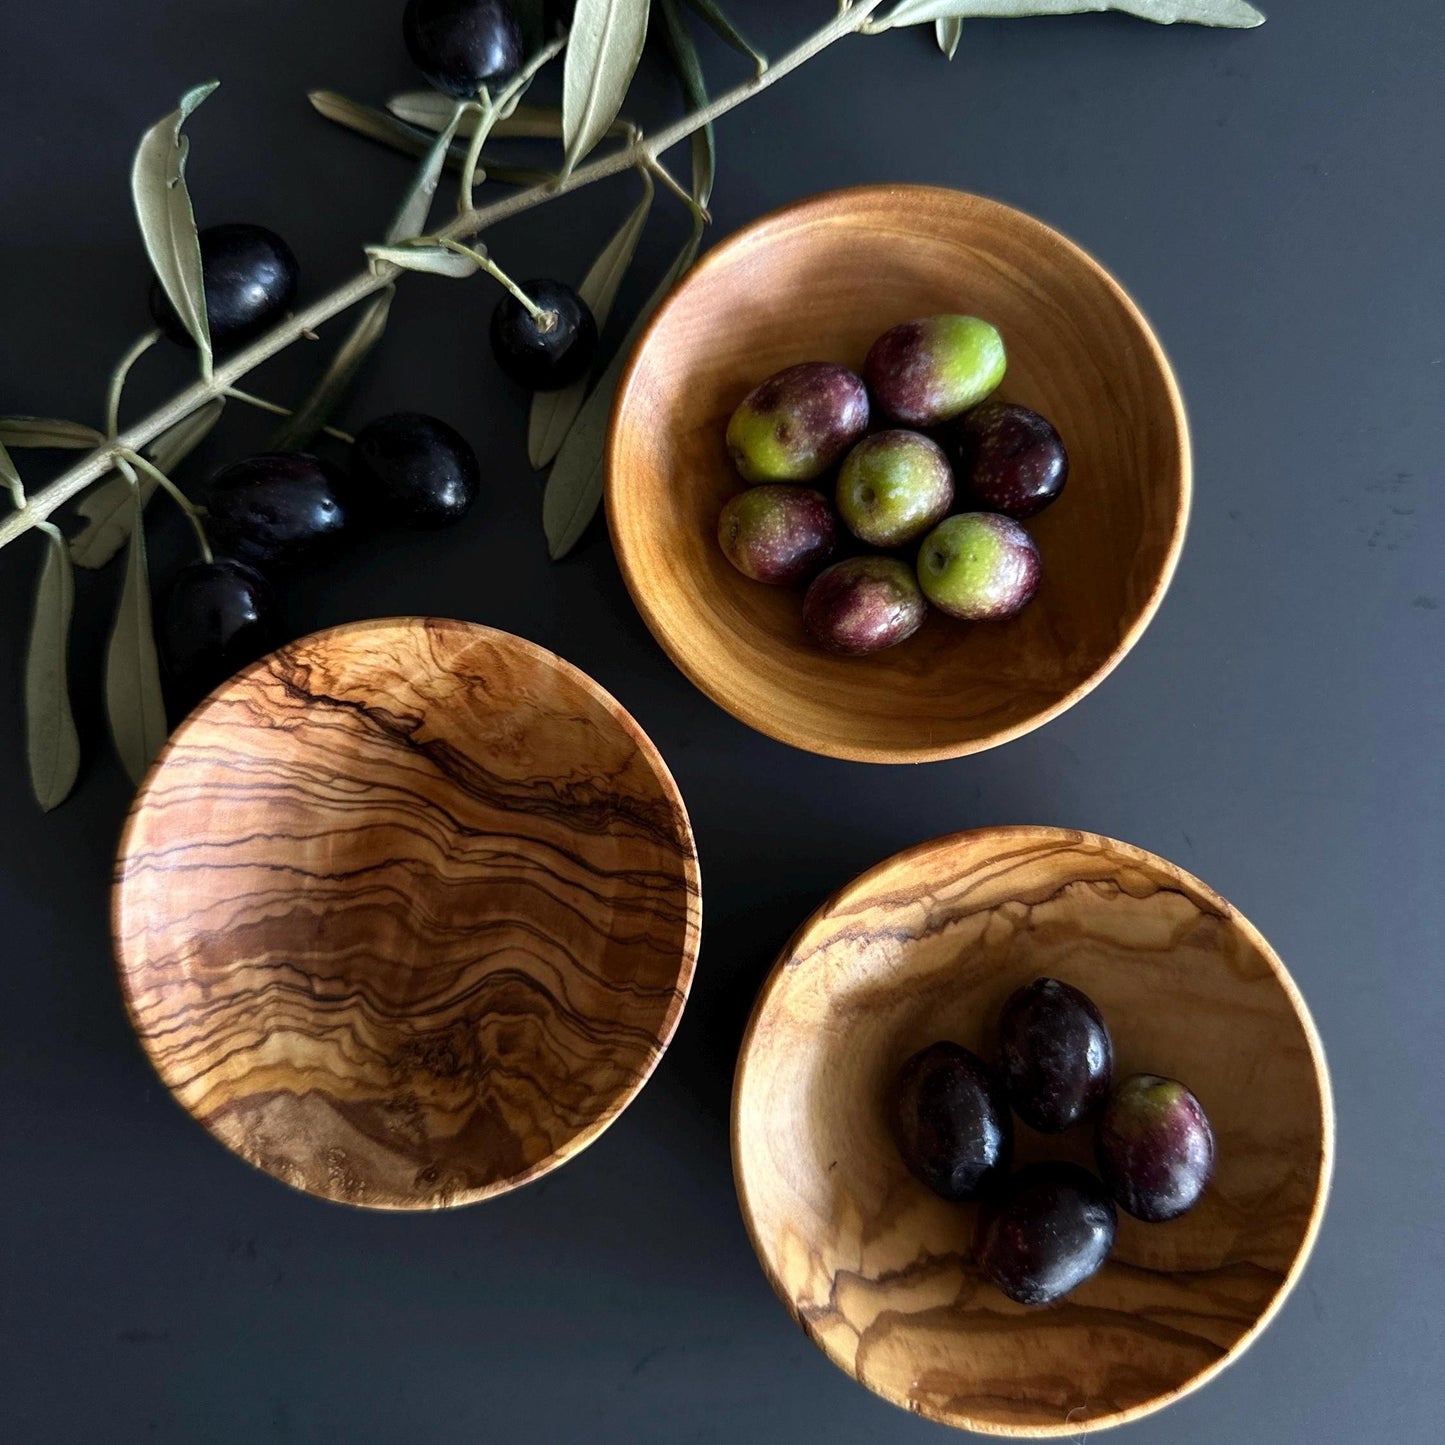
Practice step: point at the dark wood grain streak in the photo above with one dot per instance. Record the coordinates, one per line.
(880, 1273)
(407, 913)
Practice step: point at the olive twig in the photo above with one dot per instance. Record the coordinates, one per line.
(545, 319)
(118, 378)
(127, 461)
(276, 409)
(486, 114)
(701, 212)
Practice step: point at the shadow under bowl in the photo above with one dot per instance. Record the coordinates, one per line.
(880, 1272)
(406, 913)
(820, 280)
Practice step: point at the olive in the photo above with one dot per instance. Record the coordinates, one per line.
(276, 508)
(462, 45)
(1156, 1149)
(951, 1121)
(1009, 459)
(549, 353)
(1058, 1060)
(217, 617)
(415, 470)
(794, 425)
(777, 533)
(862, 605)
(249, 275)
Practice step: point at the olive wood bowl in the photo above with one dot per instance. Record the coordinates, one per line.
(819, 280)
(406, 913)
(880, 1272)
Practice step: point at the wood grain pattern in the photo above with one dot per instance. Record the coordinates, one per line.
(879, 1271)
(820, 280)
(406, 914)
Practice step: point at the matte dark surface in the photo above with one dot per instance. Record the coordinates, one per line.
(1273, 201)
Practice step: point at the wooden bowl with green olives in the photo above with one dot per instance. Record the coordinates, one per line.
(897, 1284)
(821, 281)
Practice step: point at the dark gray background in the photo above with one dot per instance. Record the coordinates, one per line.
(1273, 200)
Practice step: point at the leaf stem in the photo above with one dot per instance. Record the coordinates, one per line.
(118, 379)
(127, 461)
(671, 182)
(367, 282)
(276, 409)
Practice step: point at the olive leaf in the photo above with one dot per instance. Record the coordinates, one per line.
(45, 431)
(109, 508)
(52, 745)
(1230, 13)
(694, 86)
(410, 218)
(602, 55)
(430, 111)
(299, 429)
(727, 32)
(553, 412)
(948, 33)
(134, 704)
(10, 478)
(575, 487)
(167, 223)
(434, 260)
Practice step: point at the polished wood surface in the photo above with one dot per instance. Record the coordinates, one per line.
(406, 914)
(820, 280)
(879, 1272)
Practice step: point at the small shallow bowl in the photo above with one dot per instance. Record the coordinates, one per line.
(406, 913)
(820, 280)
(880, 1272)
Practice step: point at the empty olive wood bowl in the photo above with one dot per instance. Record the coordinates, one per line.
(880, 1272)
(406, 913)
(820, 280)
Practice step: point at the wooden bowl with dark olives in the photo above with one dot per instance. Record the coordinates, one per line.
(928, 966)
(406, 913)
(829, 281)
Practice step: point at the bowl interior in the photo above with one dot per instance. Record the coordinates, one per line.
(880, 1272)
(406, 913)
(821, 280)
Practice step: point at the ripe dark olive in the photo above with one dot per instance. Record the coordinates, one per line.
(462, 45)
(1007, 458)
(549, 354)
(414, 470)
(1058, 1061)
(1052, 1230)
(250, 277)
(1156, 1149)
(951, 1121)
(276, 508)
(218, 616)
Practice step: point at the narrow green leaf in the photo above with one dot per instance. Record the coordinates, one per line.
(726, 31)
(602, 55)
(52, 744)
(410, 218)
(1229, 13)
(109, 508)
(434, 260)
(553, 412)
(575, 487)
(432, 112)
(45, 431)
(167, 223)
(134, 704)
(694, 87)
(10, 478)
(948, 33)
(298, 431)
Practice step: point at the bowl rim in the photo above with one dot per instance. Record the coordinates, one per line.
(763, 720)
(1047, 834)
(691, 881)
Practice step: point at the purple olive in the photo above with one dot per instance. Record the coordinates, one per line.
(924, 372)
(797, 423)
(862, 605)
(1156, 1149)
(1009, 459)
(1058, 1060)
(277, 508)
(777, 533)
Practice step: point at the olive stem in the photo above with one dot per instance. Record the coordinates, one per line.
(276, 409)
(118, 379)
(671, 182)
(128, 460)
(545, 319)
(486, 119)
(366, 283)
